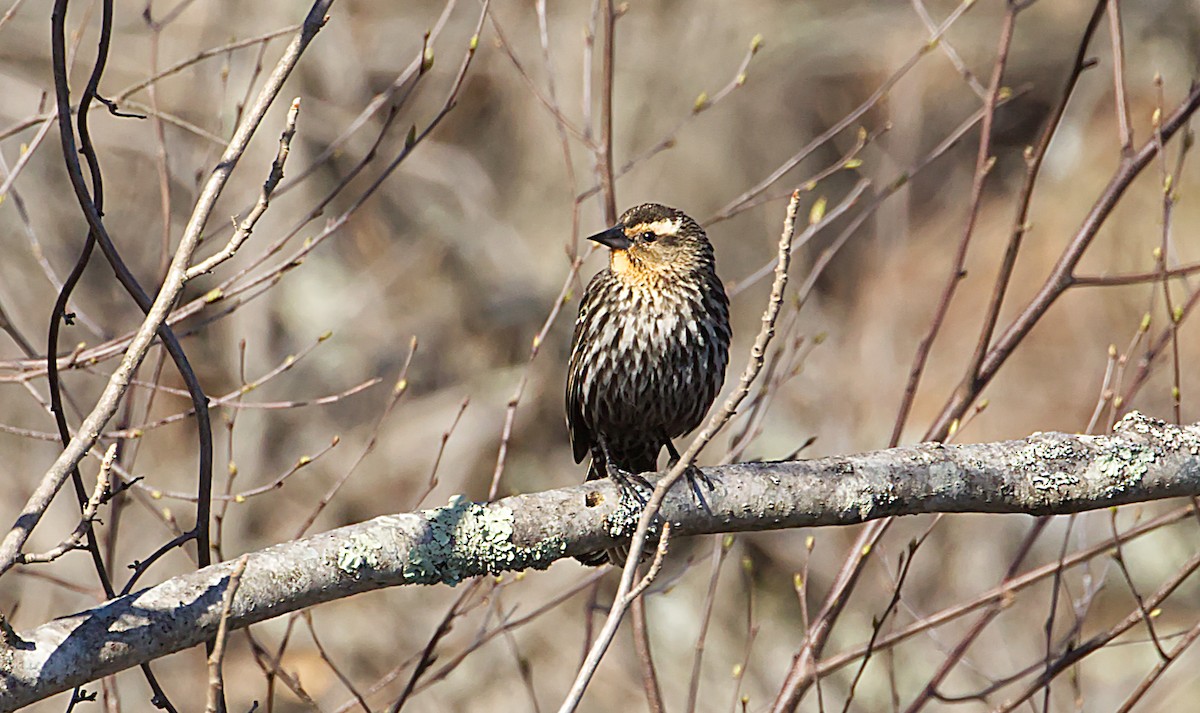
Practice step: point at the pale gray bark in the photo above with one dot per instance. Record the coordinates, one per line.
(1047, 473)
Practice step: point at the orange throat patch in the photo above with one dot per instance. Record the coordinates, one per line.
(634, 273)
(618, 262)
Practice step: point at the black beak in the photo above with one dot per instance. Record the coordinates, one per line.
(613, 237)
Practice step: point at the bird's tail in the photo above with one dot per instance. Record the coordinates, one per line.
(600, 557)
(617, 555)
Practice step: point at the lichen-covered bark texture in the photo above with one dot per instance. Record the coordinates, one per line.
(1046, 473)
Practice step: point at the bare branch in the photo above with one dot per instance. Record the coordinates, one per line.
(118, 383)
(1047, 473)
(75, 540)
(216, 681)
(264, 198)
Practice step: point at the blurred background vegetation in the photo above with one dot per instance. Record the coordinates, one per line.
(467, 247)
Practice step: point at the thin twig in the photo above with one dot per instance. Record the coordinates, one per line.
(721, 546)
(641, 643)
(312, 631)
(738, 204)
(1034, 159)
(398, 390)
(739, 670)
(947, 49)
(1096, 643)
(1164, 249)
(997, 595)
(588, 582)
(1124, 131)
(1061, 277)
(984, 161)
(1135, 278)
(702, 104)
(510, 411)
(246, 227)
(1154, 674)
(76, 538)
(216, 679)
(1119, 557)
(604, 156)
(169, 292)
(428, 654)
(437, 461)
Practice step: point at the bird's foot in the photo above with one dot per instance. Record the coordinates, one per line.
(695, 477)
(632, 485)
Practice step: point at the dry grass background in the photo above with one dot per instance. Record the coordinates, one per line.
(466, 249)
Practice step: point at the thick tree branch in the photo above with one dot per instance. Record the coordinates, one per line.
(1047, 473)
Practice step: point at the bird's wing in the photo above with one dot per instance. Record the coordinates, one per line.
(581, 436)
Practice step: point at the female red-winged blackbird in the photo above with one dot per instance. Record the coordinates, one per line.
(650, 346)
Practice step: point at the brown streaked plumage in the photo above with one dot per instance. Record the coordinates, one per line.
(650, 347)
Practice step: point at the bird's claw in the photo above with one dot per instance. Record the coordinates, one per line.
(695, 476)
(631, 484)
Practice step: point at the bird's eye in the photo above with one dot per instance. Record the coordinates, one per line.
(649, 237)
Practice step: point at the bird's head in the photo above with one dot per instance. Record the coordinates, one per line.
(653, 242)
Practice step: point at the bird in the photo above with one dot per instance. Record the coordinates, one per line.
(649, 350)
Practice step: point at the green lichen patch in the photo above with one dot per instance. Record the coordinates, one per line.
(465, 539)
(1053, 481)
(1050, 461)
(1042, 448)
(1164, 437)
(1039, 457)
(1138, 441)
(1123, 464)
(360, 551)
(623, 520)
(1138, 422)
